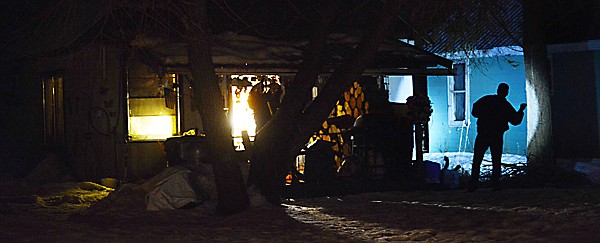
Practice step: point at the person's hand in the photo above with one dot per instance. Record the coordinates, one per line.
(522, 108)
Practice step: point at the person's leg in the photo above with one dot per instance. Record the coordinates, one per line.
(496, 150)
(481, 145)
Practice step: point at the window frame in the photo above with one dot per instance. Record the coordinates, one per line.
(452, 122)
(176, 110)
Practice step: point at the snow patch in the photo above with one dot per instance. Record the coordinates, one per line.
(465, 160)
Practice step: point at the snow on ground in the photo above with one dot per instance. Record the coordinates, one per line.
(87, 212)
(465, 160)
(512, 215)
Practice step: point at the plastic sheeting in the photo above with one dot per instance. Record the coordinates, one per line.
(174, 190)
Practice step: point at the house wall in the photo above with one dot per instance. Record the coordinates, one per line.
(95, 117)
(485, 75)
(575, 77)
(21, 123)
(92, 146)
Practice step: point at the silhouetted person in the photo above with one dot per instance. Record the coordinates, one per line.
(264, 100)
(493, 113)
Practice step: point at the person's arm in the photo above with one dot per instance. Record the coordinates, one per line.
(517, 116)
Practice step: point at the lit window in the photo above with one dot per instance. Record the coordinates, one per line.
(153, 108)
(458, 97)
(400, 88)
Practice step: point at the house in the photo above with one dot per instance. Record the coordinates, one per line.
(110, 109)
(491, 55)
(452, 128)
(477, 77)
(572, 51)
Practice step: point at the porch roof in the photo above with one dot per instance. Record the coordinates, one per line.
(234, 53)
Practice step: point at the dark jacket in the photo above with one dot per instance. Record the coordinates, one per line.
(493, 114)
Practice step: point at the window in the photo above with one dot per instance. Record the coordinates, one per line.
(153, 107)
(400, 88)
(458, 97)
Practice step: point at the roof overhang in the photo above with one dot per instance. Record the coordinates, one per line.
(233, 53)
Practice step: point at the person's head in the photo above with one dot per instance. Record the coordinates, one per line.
(502, 89)
(274, 88)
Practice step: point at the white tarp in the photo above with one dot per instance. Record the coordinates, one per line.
(174, 190)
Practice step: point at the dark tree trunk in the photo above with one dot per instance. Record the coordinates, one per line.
(209, 100)
(282, 138)
(539, 112)
(274, 144)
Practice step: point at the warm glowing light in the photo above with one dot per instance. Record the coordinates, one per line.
(153, 111)
(533, 115)
(241, 116)
(152, 127)
(300, 162)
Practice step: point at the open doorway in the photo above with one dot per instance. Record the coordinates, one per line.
(240, 111)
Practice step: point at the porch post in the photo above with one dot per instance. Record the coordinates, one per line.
(420, 88)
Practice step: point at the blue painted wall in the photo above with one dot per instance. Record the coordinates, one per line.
(485, 75)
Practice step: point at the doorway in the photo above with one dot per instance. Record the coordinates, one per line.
(52, 100)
